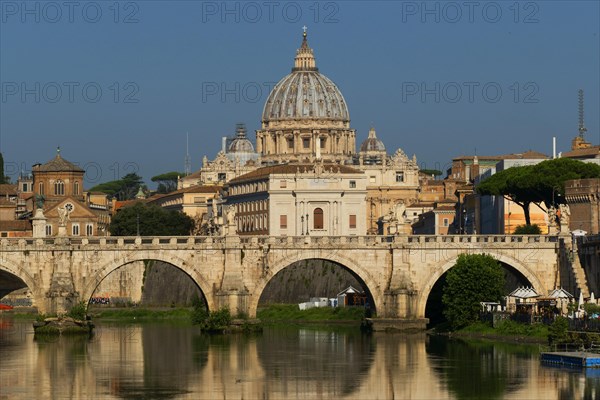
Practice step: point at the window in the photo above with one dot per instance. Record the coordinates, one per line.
(41, 188)
(306, 143)
(445, 221)
(352, 184)
(323, 143)
(75, 229)
(282, 183)
(24, 189)
(48, 230)
(290, 143)
(352, 221)
(283, 221)
(89, 230)
(59, 188)
(399, 176)
(372, 179)
(222, 176)
(318, 218)
(76, 187)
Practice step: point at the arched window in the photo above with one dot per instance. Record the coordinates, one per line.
(76, 187)
(89, 229)
(41, 188)
(318, 218)
(59, 188)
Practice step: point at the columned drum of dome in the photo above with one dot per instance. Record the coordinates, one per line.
(305, 117)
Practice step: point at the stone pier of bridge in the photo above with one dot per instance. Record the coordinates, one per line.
(398, 272)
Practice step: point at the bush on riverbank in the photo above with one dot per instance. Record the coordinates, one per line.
(216, 321)
(291, 312)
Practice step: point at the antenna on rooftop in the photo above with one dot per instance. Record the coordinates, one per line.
(187, 165)
(582, 128)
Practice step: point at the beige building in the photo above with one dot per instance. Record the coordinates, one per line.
(60, 183)
(583, 198)
(306, 123)
(299, 199)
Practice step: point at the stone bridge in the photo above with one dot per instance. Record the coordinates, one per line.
(398, 272)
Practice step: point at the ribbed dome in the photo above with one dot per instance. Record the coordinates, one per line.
(372, 143)
(305, 93)
(241, 144)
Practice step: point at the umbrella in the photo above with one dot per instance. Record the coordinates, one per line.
(580, 301)
(592, 299)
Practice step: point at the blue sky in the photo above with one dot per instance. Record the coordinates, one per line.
(118, 85)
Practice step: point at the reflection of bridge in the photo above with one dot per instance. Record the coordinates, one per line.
(399, 272)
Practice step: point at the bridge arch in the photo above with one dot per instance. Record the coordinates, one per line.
(14, 269)
(100, 274)
(443, 267)
(318, 254)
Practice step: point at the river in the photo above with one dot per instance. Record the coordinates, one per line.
(176, 361)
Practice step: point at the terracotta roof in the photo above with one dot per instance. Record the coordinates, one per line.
(291, 169)
(8, 189)
(6, 202)
(16, 225)
(592, 152)
(58, 164)
(515, 156)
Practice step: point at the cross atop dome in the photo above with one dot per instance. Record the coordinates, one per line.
(305, 59)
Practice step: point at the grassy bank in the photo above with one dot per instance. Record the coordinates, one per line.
(139, 314)
(291, 312)
(506, 331)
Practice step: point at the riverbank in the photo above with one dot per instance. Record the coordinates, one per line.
(139, 314)
(507, 331)
(283, 313)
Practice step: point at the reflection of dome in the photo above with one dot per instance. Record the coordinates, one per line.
(305, 93)
(241, 144)
(372, 143)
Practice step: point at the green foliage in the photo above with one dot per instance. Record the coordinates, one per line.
(78, 311)
(141, 314)
(528, 230)
(167, 182)
(591, 308)
(508, 328)
(474, 278)
(558, 331)
(3, 179)
(122, 189)
(540, 183)
(216, 321)
(291, 312)
(153, 221)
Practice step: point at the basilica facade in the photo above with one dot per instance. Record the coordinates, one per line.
(306, 137)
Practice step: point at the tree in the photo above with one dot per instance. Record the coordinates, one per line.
(167, 182)
(123, 189)
(474, 278)
(153, 221)
(537, 184)
(3, 179)
(528, 230)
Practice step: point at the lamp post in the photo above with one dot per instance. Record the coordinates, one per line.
(307, 224)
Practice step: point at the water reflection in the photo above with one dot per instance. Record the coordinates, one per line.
(315, 362)
(168, 361)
